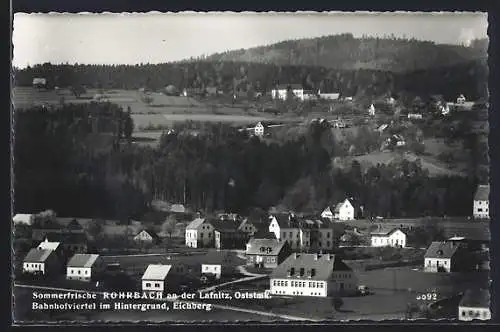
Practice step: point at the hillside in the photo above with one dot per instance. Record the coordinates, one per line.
(349, 53)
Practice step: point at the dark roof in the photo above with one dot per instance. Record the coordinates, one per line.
(74, 225)
(271, 247)
(291, 86)
(37, 255)
(441, 250)
(285, 220)
(476, 298)
(316, 267)
(264, 234)
(482, 193)
(66, 237)
(384, 231)
(217, 257)
(225, 225)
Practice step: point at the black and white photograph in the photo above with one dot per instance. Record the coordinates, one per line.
(200, 167)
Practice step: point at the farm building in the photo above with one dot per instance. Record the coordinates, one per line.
(41, 262)
(155, 278)
(448, 256)
(342, 211)
(475, 304)
(388, 238)
(85, 267)
(147, 236)
(267, 253)
(481, 202)
(313, 275)
(282, 91)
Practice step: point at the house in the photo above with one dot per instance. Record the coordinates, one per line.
(310, 95)
(382, 127)
(218, 263)
(211, 91)
(390, 101)
(154, 278)
(85, 267)
(287, 227)
(342, 211)
(71, 242)
(267, 253)
(23, 219)
(481, 202)
(47, 245)
(447, 256)
(39, 82)
(339, 124)
(322, 235)
(313, 275)
(228, 236)
(199, 233)
(371, 110)
(282, 91)
(475, 304)
(444, 109)
(394, 141)
(461, 99)
(177, 208)
(394, 237)
(328, 96)
(74, 227)
(249, 227)
(41, 262)
(259, 129)
(147, 236)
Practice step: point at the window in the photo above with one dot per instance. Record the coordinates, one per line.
(209, 235)
(302, 271)
(298, 243)
(284, 235)
(328, 243)
(201, 235)
(479, 210)
(290, 235)
(157, 285)
(320, 244)
(310, 284)
(86, 271)
(328, 234)
(79, 271)
(471, 313)
(148, 284)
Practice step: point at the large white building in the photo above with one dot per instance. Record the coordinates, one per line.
(282, 91)
(84, 267)
(475, 304)
(312, 275)
(199, 233)
(154, 278)
(343, 211)
(481, 202)
(388, 238)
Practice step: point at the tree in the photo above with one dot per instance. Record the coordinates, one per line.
(78, 90)
(169, 224)
(128, 127)
(95, 228)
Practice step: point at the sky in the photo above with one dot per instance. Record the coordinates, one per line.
(158, 37)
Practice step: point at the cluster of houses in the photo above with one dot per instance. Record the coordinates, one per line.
(283, 91)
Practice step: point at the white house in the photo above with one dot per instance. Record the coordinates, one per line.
(41, 262)
(481, 202)
(154, 278)
(147, 236)
(199, 233)
(85, 267)
(344, 211)
(23, 219)
(286, 227)
(371, 110)
(259, 129)
(415, 116)
(444, 109)
(388, 238)
(312, 275)
(39, 82)
(218, 263)
(47, 245)
(461, 99)
(475, 305)
(281, 91)
(441, 257)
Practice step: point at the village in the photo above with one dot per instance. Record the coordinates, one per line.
(227, 257)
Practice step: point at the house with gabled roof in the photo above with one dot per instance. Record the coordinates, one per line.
(388, 237)
(281, 91)
(71, 242)
(481, 202)
(199, 233)
(147, 236)
(313, 275)
(219, 263)
(41, 262)
(448, 256)
(227, 235)
(287, 227)
(84, 267)
(475, 305)
(267, 253)
(74, 227)
(155, 277)
(342, 211)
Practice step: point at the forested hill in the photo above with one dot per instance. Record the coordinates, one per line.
(349, 53)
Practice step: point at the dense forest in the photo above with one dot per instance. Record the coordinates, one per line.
(78, 160)
(349, 53)
(469, 78)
